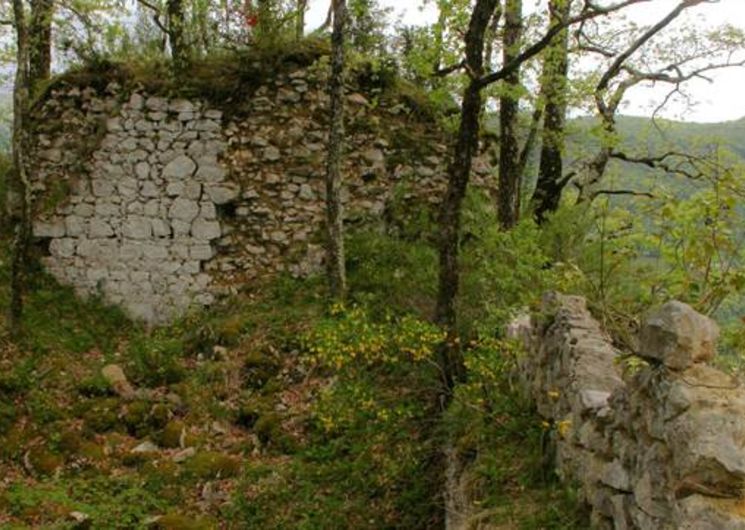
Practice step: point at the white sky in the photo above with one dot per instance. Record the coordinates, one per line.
(722, 100)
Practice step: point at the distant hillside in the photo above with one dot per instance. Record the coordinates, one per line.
(642, 137)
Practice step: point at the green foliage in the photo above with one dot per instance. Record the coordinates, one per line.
(392, 273)
(350, 337)
(367, 465)
(111, 503)
(494, 429)
(501, 271)
(54, 319)
(367, 25)
(212, 465)
(154, 359)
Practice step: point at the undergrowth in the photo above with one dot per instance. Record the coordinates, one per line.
(272, 410)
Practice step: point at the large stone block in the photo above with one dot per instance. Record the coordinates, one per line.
(137, 227)
(181, 167)
(678, 336)
(205, 230)
(184, 209)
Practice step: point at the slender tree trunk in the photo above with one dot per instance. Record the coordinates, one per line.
(20, 191)
(458, 176)
(302, 5)
(176, 26)
(551, 182)
(509, 147)
(439, 37)
(40, 48)
(491, 35)
(334, 211)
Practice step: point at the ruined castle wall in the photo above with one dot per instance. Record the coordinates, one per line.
(161, 203)
(654, 441)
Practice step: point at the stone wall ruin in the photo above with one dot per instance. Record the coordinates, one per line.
(158, 202)
(653, 442)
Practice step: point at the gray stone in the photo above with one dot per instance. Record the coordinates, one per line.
(149, 190)
(106, 208)
(181, 105)
(136, 102)
(62, 247)
(84, 210)
(180, 228)
(222, 194)
(181, 167)
(102, 188)
(114, 124)
(207, 211)
(201, 252)
(271, 154)
(174, 189)
(210, 173)
(157, 103)
(207, 125)
(54, 227)
(114, 375)
(74, 225)
(130, 251)
(593, 399)
(142, 170)
(99, 228)
(678, 336)
(306, 192)
(151, 208)
(184, 209)
(137, 227)
(127, 187)
(154, 252)
(616, 476)
(205, 230)
(161, 228)
(278, 236)
(192, 190)
(374, 156)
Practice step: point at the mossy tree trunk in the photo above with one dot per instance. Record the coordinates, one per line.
(302, 5)
(19, 196)
(508, 198)
(336, 270)
(452, 366)
(554, 86)
(176, 35)
(40, 48)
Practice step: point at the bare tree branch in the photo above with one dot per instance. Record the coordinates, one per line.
(589, 11)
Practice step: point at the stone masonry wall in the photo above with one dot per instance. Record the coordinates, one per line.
(160, 203)
(655, 441)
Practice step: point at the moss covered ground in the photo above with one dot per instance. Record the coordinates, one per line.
(271, 410)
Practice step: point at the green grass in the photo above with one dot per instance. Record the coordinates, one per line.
(316, 445)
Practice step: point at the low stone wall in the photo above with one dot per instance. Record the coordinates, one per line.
(654, 441)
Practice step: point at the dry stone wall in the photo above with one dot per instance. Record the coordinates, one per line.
(160, 203)
(653, 442)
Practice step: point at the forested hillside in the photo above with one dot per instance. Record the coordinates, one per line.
(256, 274)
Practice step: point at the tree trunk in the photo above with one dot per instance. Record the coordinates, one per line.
(509, 148)
(551, 182)
(176, 26)
(300, 22)
(491, 35)
(20, 191)
(40, 48)
(458, 176)
(334, 212)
